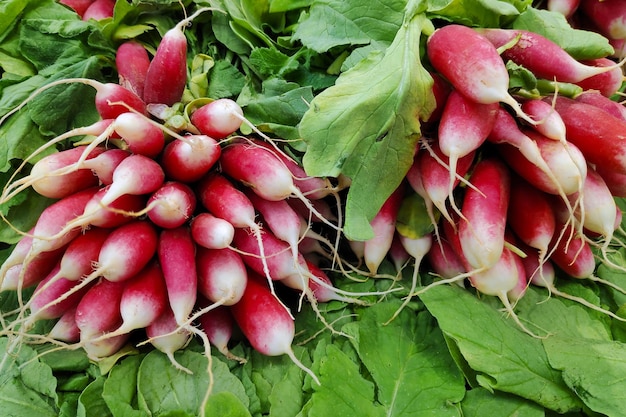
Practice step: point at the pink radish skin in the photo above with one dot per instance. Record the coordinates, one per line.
(603, 143)
(565, 7)
(47, 301)
(30, 272)
(65, 329)
(79, 6)
(99, 9)
(323, 291)
(573, 256)
(77, 260)
(615, 181)
(211, 232)
(463, 128)
(530, 215)
(266, 324)
(551, 125)
(140, 136)
(566, 164)
(544, 58)
(473, 67)
(126, 251)
(18, 254)
(607, 83)
(177, 255)
(481, 230)
(190, 159)
(520, 288)
(441, 91)
(608, 15)
(444, 261)
(218, 119)
(384, 227)
(172, 205)
(59, 186)
(132, 62)
(165, 335)
(595, 98)
(54, 219)
(222, 275)
(218, 324)
(104, 164)
(277, 255)
(398, 255)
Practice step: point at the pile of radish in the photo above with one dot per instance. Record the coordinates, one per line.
(188, 233)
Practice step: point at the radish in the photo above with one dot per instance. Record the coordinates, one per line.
(211, 232)
(614, 180)
(463, 128)
(595, 98)
(483, 223)
(551, 125)
(172, 205)
(65, 329)
(608, 15)
(473, 66)
(322, 286)
(218, 325)
(384, 226)
(166, 76)
(177, 255)
(79, 6)
(602, 143)
(397, 254)
(444, 261)
(139, 135)
(132, 62)
(266, 324)
(222, 275)
(31, 271)
(98, 313)
(18, 254)
(441, 90)
(572, 255)
(259, 169)
(104, 164)
(189, 158)
(565, 7)
(99, 9)
(543, 57)
(607, 83)
(165, 335)
(218, 119)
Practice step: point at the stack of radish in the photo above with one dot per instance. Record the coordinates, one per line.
(167, 229)
(522, 185)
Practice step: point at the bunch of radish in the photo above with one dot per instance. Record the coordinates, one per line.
(517, 188)
(166, 234)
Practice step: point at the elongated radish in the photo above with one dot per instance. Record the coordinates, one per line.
(263, 172)
(573, 255)
(551, 125)
(140, 136)
(444, 261)
(166, 77)
(18, 254)
(222, 275)
(177, 255)
(218, 118)
(473, 67)
(266, 324)
(59, 186)
(565, 7)
(384, 227)
(165, 334)
(132, 62)
(530, 215)
(211, 232)
(172, 205)
(607, 83)
(562, 171)
(614, 180)
(543, 57)
(481, 230)
(104, 164)
(608, 15)
(595, 98)
(65, 329)
(30, 271)
(188, 160)
(99, 9)
(602, 143)
(79, 6)
(218, 324)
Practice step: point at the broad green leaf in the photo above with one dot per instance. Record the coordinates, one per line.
(581, 44)
(343, 391)
(91, 403)
(332, 23)
(162, 388)
(413, 218)
(479, 402)
(504, 358)
(120, 388)
(593, 369)
(226, 404)
(482, 13)
(405, 358)
(367, 125)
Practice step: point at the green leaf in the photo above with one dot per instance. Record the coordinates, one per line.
(412, 375)
(480, 402)
(226, 404)
(482, 13)
(333, 23)
(120, 388)
(581, 44)
(504, 358)
(413, 220)
(593, 369)
(366, 126)
(91, 403)
(343, 391)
